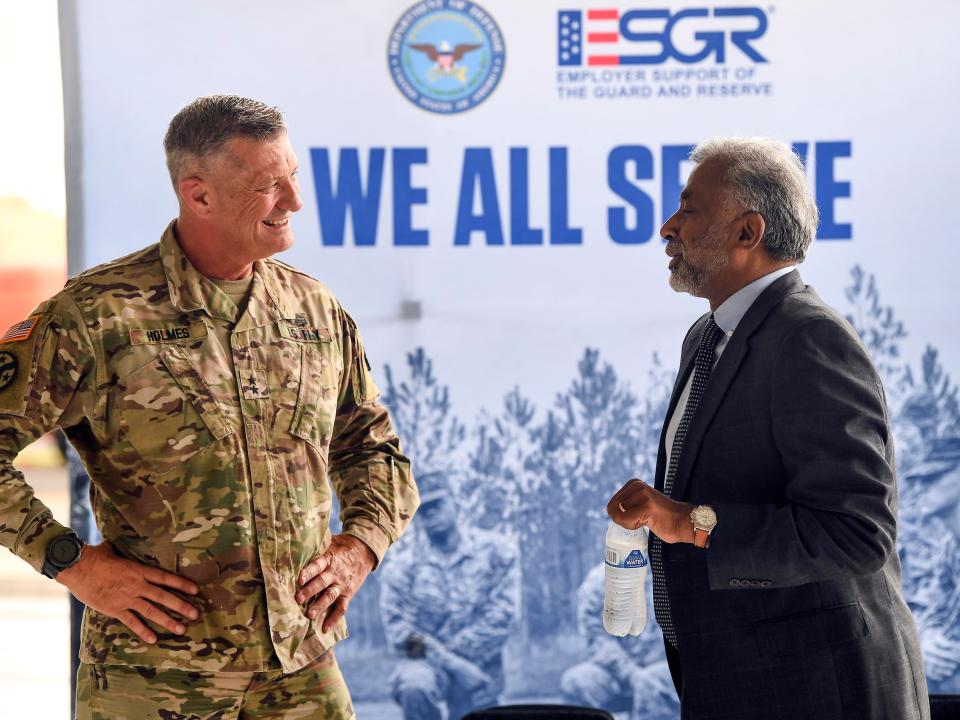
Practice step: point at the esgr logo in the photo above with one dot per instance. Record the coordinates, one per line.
(604, 37)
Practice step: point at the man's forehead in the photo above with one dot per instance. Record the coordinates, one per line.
(705, 180)
(260, 157)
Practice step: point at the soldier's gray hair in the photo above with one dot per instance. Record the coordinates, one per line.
(204, 126)
(767, 176)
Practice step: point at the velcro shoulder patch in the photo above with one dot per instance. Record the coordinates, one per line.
(9, 367)
(19, 352)
(21, 331)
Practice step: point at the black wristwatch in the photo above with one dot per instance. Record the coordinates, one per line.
(62, 552)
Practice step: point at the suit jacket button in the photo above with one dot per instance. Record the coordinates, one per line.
(765, 583)
(734, 583)
(755, 583)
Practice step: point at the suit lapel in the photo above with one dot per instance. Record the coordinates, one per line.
(726, 369)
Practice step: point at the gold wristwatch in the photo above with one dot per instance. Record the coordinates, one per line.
(704, 520)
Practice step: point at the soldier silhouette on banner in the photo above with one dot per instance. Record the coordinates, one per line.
(449, 600)
(628, 674)
(930, 549)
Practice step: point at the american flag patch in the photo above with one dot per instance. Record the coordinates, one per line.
(20, 331)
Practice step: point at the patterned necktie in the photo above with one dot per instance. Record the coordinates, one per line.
(701, 374)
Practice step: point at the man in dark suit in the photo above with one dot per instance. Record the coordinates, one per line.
(773, 519)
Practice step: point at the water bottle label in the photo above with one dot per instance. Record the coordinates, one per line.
(635, 559)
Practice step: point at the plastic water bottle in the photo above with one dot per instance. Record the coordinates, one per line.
(625, 566)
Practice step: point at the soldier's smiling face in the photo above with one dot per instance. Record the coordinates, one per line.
(256, 193)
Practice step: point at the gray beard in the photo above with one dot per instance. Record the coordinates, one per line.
(689, 279)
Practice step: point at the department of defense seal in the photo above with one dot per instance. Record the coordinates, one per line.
(446, 56)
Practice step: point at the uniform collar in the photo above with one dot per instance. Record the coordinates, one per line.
(732, 310)
(190, 290)
(272, 274)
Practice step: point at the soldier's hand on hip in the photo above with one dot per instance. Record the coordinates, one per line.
(637, 504)
(128, 591)
(330, 581)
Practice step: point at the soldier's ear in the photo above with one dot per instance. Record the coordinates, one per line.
(195, 195)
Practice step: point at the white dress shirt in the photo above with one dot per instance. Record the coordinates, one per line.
(727, 317)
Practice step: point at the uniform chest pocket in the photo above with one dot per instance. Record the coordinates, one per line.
(316, 408)
(168, 412)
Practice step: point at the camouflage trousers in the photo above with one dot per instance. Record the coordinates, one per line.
(127, 692)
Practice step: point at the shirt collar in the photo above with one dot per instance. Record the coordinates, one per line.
(184, 283)
(732, 310)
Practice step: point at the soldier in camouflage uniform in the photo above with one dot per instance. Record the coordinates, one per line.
(627, 674)
(930, 550)
(449, 604)
(214, 395)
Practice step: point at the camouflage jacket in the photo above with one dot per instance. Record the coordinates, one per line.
(207, 461)
(469, 601)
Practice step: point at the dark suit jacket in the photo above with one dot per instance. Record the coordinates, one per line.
(795, 610)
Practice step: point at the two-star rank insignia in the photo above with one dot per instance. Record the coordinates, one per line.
(251, 390)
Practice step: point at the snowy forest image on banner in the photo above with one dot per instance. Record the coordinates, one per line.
(518, 604)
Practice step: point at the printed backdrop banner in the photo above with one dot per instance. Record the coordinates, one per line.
(483, 186)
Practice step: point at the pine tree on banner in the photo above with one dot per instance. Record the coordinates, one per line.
(653, 410)
(881, 333)
(420, 410)
(587, 448)
(503, 478)
(932, 407)
(943, 393)
(601, 451)
(926, 423)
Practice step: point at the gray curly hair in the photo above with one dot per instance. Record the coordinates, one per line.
(767, 176)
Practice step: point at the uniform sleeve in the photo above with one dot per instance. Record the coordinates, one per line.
(368, 469)
(46, 381)
(831, 431)
(496, 614)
